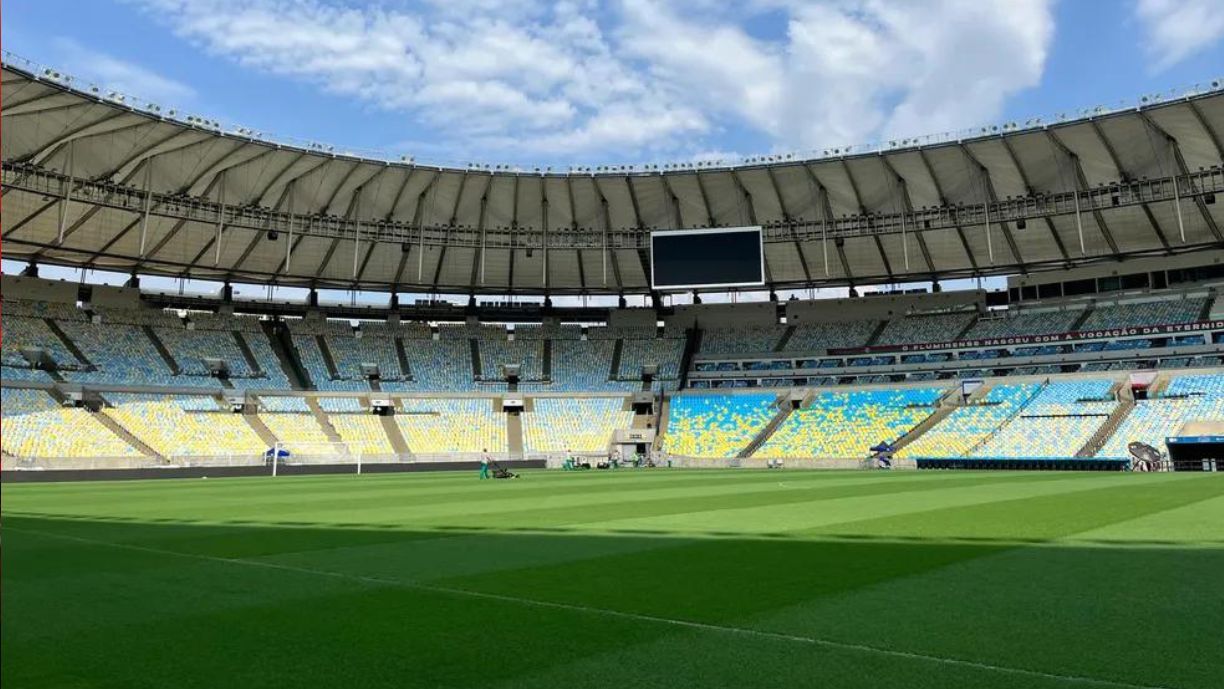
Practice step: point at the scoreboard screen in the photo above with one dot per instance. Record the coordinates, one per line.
(723, 257)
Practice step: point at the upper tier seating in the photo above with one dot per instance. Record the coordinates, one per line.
(36, 426)
(349, 352)
(362, 432)
(437, 366)
(1133, 315)
(528, 354)
(432, 426)
(822, 336)
(1056, 423)
(665, 353)
(963, 429)
(582, 366)
(299, 432)
(581, 425)
(921, 329)
(713, 425)
(848, 424)
(746, 340)
(1005, 324)
(178, 426)
(122, 354)
(21, 332)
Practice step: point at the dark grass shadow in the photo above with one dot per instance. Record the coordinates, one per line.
(125, 602)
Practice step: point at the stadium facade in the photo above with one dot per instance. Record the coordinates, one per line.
(1111, 329)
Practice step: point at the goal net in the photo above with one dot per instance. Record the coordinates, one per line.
(288, 454)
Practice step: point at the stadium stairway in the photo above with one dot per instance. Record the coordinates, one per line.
(614, 369)
(402, 356)
(968, 326)
(328, 360)
(663, 409)
(875, 334)
(692, 344)
(1107, 429)
(943, 407)
(126, 435)
(784, 410)
(325, 423)
(68, 343)
(785, 339)
(1006, 422)
(265, 434)
(514, 432)
(161, 350)
(1079, 322)
(247, 354)
(282, 346)
(474, 344)
(394, 436)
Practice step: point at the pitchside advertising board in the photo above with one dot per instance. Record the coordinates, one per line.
(717, 257)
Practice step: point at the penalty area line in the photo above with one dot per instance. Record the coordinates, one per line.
(607, 612)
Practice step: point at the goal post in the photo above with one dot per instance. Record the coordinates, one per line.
(285, 454)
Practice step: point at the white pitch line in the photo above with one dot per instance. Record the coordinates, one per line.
(686, 624)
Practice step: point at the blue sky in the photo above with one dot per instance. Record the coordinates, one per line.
(581, 82)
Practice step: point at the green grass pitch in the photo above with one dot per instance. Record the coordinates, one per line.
(618, 579)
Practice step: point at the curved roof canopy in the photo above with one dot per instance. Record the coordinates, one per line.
(92, 182)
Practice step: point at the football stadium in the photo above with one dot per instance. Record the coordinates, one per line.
(944, 411)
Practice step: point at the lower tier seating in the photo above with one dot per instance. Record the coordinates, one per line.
(581, 425)
(705, 425)
(36, 426)
(848, 424)
(432, 426)
(178, 426)
(959, 432)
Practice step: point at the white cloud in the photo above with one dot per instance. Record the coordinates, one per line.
(1176, 29)
(120, 75)
(643, 77)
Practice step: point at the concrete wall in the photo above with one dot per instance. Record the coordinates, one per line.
(38, 289)
(878, 307)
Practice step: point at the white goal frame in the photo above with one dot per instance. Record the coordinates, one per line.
(315, 453)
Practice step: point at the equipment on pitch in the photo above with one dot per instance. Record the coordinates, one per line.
(289, 454)
(1144, 457)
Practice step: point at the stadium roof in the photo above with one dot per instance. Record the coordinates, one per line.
(92, 181)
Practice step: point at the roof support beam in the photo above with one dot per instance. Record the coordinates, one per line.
(16, 227)
(993, 197)
(1028, 190)
(820, 201)
(907, 207)
(1211, 132)
(633, 202)
(1081, 185)
(569, 193)
(221, 166)
(478, 256)
(80, 132)
(789, 220)
(678, 217)
(173, 231)
(1185, 171)
(513, 226)
(1127, 177)
(399, 195)
(348, 215)
(705, 200)
(862, 210)
(943, 201)
(152, 151)
(609, 253)
(544, 277)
